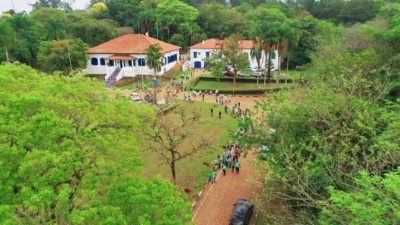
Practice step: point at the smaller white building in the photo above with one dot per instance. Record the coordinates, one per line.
(125, 55)
(203, 50)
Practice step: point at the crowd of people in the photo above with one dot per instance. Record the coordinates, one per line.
(228, 161)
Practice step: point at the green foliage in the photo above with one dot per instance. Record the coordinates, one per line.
(125, 12)
(7, 37)
(62, 55)
(69, 156)
(373, 200)
(155, 202)
(174, 13)
(93, 32)
(179, 40)
(153, 57)
(26, 42)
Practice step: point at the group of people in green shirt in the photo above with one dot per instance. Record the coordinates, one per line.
(225, 162)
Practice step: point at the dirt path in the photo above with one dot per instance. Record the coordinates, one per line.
(215, 205)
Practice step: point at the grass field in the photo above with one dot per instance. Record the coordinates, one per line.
(193, 166)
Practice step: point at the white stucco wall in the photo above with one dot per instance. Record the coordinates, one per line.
(127, 70)
(201, 56)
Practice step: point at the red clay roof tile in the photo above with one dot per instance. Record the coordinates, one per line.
(214, 43)
(131, 43)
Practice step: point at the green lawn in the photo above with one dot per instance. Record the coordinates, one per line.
(213, 85)
(193, 166)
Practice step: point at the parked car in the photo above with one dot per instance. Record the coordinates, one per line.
(242, 213)
(228, 73)
(135, 97)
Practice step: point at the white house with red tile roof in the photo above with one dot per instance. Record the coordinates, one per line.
(125, 55)
(203, 50)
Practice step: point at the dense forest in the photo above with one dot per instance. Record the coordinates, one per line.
(52, 32)
(335, 155)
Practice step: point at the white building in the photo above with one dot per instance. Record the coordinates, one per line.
(203, 50)
(124, 56)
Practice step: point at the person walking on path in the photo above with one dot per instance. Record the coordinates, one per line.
(212, 111)
(230, 164)
(219, 114)
(213, 176)
(237, 166)
(224, 169)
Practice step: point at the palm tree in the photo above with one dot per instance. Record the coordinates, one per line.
(55, 29)
(292, 40)
(256, 51)
(153, 57)
(7, 37)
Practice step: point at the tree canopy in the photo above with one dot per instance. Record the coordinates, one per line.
(69, 155)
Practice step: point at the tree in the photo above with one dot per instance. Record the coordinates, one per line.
(71, 157)
(233, 53)
(93, 32)
(173, 13)
(55, 29)
(27, 40)
(257, 50)
(373, 200)
(288, 41)
(62, 55)
(169, 132)
(57, 4)
(7, 37)
(147, 17)
(125, 12)
(179, 40)
(99, 10)
(153, 57)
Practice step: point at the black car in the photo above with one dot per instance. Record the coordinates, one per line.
(228, 73)
(242, 213)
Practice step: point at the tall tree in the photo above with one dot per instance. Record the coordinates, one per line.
(173, 13)
(153, 57)
(232, 52)
(257, 51)
(169, 132)
(27, 40)
(62, 55)
(55, 29)
(7, 37)
(125, 12)
(288, 41)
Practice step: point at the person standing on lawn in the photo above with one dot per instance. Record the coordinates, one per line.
(237, 166)
(213, 175)
(219, 162)
(212, 111)
(224, 169)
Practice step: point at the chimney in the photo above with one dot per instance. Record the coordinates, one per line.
(203, 42)
(147, 34)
